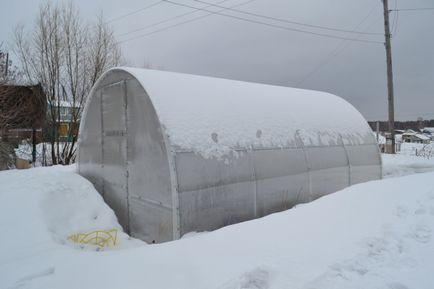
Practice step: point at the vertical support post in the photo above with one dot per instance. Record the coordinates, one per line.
(390, 96)
(306, 159)
(347, 155)
(34, 147)
(378, 131)
(127, 155)
(7, 65)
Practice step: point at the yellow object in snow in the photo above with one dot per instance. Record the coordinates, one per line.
(99, 238)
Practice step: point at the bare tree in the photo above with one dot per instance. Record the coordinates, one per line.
(8, 72)
(8, 75)
(66, 55)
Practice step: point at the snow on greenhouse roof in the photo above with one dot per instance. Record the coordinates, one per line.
(214, 116)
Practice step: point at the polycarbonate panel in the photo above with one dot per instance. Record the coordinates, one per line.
(327, 181)
(90, 153)
(214, 207)
(114, 150)
(281, 193)
(325, 157)
(213, 193)
(363, 155)
(195, 172)
(360, 174)
(274, 163)
(150, 222)
(149, 184)
(281, 179)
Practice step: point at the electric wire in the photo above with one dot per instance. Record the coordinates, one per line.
(288, 21)
(335, 52)
(164, 21)
(274, 25)
(413, 9)
(181, 23)
(402, 115)
(395, 20)
(134, 12)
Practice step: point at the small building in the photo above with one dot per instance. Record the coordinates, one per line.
(411, 136)
(429, 131)
(22, 112)
(68, 117)
(173, 153)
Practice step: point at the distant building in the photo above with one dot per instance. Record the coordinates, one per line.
(22, 112)
(411, 136)
(69, 117)
(429, 131)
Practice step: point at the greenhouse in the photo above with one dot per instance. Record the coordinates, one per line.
(174, 153)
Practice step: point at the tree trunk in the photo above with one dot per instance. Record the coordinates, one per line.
(34, 146)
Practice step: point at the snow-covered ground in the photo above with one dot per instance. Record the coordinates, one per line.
(373, 235)
(411, 159)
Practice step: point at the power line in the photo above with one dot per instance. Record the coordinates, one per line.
(274, 25)
(164, 21)
(288, 21)
(135, 12)
(412, 9)
(181, 23)
(395, 20)
(427, 114)
(338, 49)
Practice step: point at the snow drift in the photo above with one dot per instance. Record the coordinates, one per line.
(372, 235)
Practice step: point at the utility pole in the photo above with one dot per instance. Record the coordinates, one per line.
(7, 64)
(389, 75)
(378, 131)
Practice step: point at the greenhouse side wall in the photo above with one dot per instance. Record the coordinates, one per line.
(215, 193)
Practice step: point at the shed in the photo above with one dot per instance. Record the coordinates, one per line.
(411, 136)
(173, 153)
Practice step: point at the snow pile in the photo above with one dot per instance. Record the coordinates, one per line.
(25, 149)
(43, 152)
(45, 205)
(381, 138)
(410, 149)
(401, 165)
(373, 235)
(213, 116)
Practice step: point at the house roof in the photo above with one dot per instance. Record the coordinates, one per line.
(65, 103)
(422, 136)
(428, 129)
(22, 106)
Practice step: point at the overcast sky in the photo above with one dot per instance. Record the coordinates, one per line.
(220, 46)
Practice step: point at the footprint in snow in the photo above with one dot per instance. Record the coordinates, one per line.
(401, 212)
(258, 278)
(420, 211)
(421, 233)
(396, 285)
(43, 273)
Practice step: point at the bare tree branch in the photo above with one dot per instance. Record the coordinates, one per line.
(66, 56)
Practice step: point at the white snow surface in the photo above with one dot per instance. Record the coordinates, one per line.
(412, 158)
(373, 235)
(213, 116)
